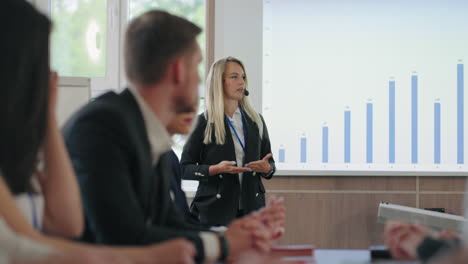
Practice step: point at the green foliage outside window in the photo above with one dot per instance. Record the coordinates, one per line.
(193, 10)
(79, 37)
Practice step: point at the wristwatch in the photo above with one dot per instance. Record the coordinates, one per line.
(224, 246)
(270, 172)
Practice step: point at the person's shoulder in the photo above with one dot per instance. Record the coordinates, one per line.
(261, 117)
(199, 126)
(110, 101)
(202, 116)
(201, 120)
(169, 155)
(105, 102)
(251, 119)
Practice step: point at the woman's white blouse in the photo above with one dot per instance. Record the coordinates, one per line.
(15, 246)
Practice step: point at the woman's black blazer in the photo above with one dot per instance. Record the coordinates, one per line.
(216, 201)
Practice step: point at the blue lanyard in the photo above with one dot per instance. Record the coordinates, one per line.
(34, 213)
(235, 132)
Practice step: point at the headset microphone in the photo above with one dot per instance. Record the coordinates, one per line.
(246, 93)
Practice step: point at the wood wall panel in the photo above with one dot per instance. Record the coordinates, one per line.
(453, 203)
(335, 183)
(336, 220)
(448, 184)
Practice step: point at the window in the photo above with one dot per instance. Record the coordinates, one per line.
(88, 34)
(79, 37)
(85, 40)
(193, 10)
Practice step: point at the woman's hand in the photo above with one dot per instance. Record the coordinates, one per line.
(53, 94)
(262, 165)
(247, 233)
(447, 234)
(273, 216)
(403, 239)
(226, 167)
(63, 212)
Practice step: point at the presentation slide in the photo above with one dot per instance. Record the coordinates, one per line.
(366, 87)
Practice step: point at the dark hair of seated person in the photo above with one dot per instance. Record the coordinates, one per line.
(24, 78)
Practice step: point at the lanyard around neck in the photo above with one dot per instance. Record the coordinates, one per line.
(235, 132)
(34, 213)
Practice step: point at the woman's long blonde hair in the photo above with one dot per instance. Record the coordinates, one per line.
(214, 102)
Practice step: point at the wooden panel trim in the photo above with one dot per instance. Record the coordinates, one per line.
(442, 192)
(340, 183)
(343, 192)
(364, 191)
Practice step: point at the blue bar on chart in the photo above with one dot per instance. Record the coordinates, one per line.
(303, 149)
(414, 119)
(282, 154)
(437, 132)
(370, 133)
(325, 144)
(391, 122)
(460, 114)
(347, 137)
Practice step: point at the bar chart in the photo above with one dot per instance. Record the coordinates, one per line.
(366, 94)
(392, 143)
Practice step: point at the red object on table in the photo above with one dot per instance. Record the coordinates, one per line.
(292, 251)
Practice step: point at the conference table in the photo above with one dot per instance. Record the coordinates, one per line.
(345, 256)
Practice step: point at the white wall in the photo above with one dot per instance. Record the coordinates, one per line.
(42, 5)
(238, 33)
(73, 93)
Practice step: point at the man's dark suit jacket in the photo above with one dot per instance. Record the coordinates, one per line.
(179, 195)
(217, 198)
(126, 199)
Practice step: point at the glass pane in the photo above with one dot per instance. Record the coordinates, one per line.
(79, 37)
(193, 10)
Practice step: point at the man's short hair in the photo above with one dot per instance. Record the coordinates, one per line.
(152, 40)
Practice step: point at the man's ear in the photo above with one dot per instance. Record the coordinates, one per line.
(179, 70)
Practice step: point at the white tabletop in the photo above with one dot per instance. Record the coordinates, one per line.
(345, 256)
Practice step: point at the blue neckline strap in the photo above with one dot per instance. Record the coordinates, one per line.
(235, 132)
(34, 213)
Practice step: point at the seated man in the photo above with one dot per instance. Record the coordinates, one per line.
(115, 143)
(181, 124)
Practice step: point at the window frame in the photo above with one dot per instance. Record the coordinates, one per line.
(117, 20)
(112, 78)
